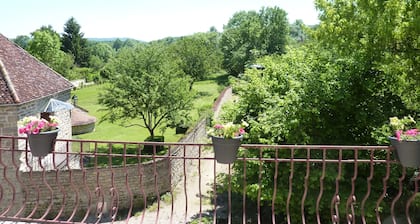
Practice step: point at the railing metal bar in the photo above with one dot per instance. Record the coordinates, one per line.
(369, 184)
(289, 195)
(321, 186)
(100, 204)
(44, 180)
(229, 194)
(127, 185)
(335, 212)
(60, 186)
(185, 185)
(9, 183)
(113, 190)
(259, 187)
(244, 189)
(274, 196)
(141, 187)
(352, 197)
(411, 199)
(305, 186)
(214, 193)
(384, 193)
(19, 179)
(85, 184)
(156, 177)
(171, 192)
(31, 181)
(398, 196)
(200, 216)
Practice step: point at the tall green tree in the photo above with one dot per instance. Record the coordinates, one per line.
(250, 35)
(383, 40)
(197, 55)
(147, 89)
(100, 54)
(45, 45)
(74, 43)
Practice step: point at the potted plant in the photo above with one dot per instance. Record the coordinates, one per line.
(226, 140)
(41, 133)
(406, 141)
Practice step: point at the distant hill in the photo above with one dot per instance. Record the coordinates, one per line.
(110, 39)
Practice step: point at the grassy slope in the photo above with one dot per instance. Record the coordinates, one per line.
(208, 91)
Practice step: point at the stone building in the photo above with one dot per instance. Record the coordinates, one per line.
(26, 86)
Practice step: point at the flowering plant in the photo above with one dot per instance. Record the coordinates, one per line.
(405, 128)
(228, 130)
(34, 125)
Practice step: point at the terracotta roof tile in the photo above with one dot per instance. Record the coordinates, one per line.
(23, 78)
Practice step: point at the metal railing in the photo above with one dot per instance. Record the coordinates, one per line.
(138, 182)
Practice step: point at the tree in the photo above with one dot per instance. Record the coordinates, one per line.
(117, 44)
(197, 55)
(22, 41)
(297, 31)
(382, 37)
(74, 43)
(147, 88)
(250, 35)
(100, 53)
(45, 45)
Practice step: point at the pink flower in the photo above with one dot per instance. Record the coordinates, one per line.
(398, 135)
(218, 126)
(35, 131)
(241, 131)
(412, 132)
(22, 130)
(35, 125)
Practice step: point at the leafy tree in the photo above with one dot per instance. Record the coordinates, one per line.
(74, 43)
(146, 87)
(250, 35)
(22, 41)
(45, 45)
(100, 53)
(197, 55)
(298, 31)
(117, 44)
(382, 37)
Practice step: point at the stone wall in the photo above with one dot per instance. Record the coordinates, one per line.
(93, 190)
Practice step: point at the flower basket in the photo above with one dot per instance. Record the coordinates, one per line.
(43, 143)
(408, 152)
(226, 150)
(42, 133)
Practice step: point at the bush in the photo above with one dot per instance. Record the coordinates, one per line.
(148, 149)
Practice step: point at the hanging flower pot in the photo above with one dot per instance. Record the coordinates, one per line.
(226, 149)
(43, 143)
(41, 132)
(406, 141)
(408, 152)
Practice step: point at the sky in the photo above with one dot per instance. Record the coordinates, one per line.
(138, 19)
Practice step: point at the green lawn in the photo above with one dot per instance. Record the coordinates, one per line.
(208, 91)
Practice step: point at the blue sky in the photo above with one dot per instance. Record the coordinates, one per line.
(138, 19)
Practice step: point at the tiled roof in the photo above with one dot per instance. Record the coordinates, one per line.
(23, 78)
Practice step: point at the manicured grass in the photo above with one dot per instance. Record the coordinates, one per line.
(208, 91)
